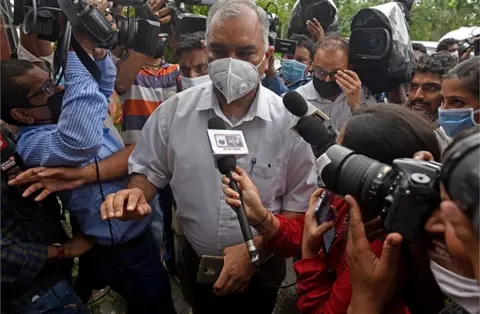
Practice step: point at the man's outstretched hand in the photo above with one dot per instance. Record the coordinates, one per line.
(127, 204)
(51, 180)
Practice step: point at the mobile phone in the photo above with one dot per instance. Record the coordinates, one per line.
(285, 46)
(209, 269)
(324, 213)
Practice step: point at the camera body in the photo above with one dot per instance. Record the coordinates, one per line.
(185, 22)
(404, 194)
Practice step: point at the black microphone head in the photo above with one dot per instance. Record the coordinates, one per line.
(226, 164)
(312, 130)
(295, 103)
(216, 123)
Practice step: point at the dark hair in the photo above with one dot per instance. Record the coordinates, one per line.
(13, 92)
(333, 43)
(191, 41)
(447, 42)
(388, 132)
(468, 72)
(305, 42)
(438, 63)
(419, 47)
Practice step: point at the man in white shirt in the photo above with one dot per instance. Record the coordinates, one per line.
(335, 89)
(173, 148)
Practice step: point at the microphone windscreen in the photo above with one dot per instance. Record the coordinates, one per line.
(216, 123)
(295, 103)
(312, 130)
(226, 164)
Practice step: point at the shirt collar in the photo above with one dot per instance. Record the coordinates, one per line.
(260, 106)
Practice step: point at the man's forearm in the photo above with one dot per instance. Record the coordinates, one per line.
(140, 181)
(111, 168)
(127, 71)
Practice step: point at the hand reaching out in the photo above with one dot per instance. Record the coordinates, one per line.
(316, 30)
(127, 204)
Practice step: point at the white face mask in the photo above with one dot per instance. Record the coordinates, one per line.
(234, 78)
(188, 82)
(463, 291)
(454, 53)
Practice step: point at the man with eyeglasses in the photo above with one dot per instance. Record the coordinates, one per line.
(335, 89)
(71, 133)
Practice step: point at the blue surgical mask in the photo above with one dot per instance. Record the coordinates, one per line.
(454, 121)
(292, 70)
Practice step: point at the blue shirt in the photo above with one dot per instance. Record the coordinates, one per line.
(276, 84)
(77, 139)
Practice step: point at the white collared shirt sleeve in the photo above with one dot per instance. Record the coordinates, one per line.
(301, 177)
(150, 156)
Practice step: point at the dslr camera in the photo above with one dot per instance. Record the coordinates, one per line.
(42, 17)
(406, 193)
(185, 22)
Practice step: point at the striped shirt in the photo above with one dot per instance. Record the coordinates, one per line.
(149, 90)
(77, 140)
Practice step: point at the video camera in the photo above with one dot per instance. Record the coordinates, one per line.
(185, 22)
(406, 193)
(42, 17)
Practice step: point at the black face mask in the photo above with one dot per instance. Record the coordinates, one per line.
(326, 90)
(54, 103)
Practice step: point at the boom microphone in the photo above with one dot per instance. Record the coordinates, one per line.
(226, 165)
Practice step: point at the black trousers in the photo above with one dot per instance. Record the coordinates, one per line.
(257, 298)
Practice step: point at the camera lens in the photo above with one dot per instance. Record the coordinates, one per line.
(373, 43)
(364, 178)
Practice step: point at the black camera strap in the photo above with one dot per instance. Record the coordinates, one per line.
(86, 59)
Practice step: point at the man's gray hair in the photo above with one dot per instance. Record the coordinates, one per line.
(228, 9)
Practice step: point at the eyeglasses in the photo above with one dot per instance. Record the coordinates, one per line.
(48, 88)
(322, 74)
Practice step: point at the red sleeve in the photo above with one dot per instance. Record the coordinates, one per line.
(287, 242)
(317, 295)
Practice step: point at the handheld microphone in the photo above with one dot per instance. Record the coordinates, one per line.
(226, 165)
(298, 106)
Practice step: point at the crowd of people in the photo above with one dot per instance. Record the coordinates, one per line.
(146, 199)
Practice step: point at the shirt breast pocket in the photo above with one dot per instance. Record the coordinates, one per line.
(267, 180)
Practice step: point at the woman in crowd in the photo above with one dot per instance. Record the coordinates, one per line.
(460, 109)
(380, 132)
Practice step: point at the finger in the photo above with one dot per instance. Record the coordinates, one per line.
(232, 202)
(118, 203)
(355, 226)
(435, 223)
(230, 192)
(32, 188)
(243, 180)
(225, 180)
(28, 176)
(317, 23)
(240, 171)
(389, 258)
(423, 155)
(346, 87)
(134, 199)
(324, 227)
(162, 12)
(221, 281)
(165, 20)
(353, 75)
(314, 198)
(42, 195)
(229, 287)
(107, 208)
(348, 80)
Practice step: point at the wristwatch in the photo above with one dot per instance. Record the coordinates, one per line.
(60, 250)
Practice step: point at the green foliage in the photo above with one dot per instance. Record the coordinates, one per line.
(430, 19)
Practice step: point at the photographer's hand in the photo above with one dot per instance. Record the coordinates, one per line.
(316, 30)
(312, 233)
(372, 278)
(161, 11)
